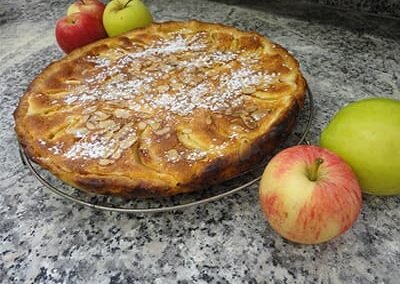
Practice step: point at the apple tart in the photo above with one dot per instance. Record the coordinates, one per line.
(170, 108)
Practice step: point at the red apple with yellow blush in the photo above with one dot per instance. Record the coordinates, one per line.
(93, 8)
(309, 195)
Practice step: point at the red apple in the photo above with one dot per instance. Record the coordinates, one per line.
(77, 30)
(92, 7)
(309, 195)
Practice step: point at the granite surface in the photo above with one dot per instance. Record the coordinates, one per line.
(380, 7)
(46, 239)
(383, 8)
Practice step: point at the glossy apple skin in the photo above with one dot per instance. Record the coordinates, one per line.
(77, 30)
(121, 16)
(366, 134)
(94, 8)
(305, 211)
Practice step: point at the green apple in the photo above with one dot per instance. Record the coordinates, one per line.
(121, 16)
(366, 134)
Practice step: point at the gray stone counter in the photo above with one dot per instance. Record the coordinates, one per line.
(46, 239)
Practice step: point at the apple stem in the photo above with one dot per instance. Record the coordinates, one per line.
(126, 4)
(313, 170)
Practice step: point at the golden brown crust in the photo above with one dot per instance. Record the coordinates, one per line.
(162, 110)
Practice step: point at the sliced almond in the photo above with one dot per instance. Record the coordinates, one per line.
(228, 111)
(127, 96)
(249, 90)
(90, 125)
(165, 76)
(153, 67)
(125, 144)
(173, 155)
(78, 132)
(72, 82)
(121, 113)
(177, 86)
(187, 79)
(111, 150)
(116, 155)
(122, 104)
(258, 115)
(124, 131)
(142, 89)
(193, 83)
(99, 115)
(84, 118)
(187, 130)
(212, 72)
(249, 122)
(89, 110)
(142, 125)
(239, 113)
(106, 124)
(136, 66)
(108, 135)
(196, 155)
(105, 162)
(173, 152)
(163, 88)
(154, 125)
(196, 80)
(155, 59)
(71, 130)
(252, 108)
(172, 60)
(81, 132)
(162, 131)
(208, 120)
(237, 121)
(236, 127)
(146, 63)
(114, 128)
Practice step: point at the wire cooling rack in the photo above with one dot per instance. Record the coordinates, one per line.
(154, 205)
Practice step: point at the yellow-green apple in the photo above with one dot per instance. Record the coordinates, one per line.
(309, 195)
(77, 30)
(94, 8)
(121, 16)
(366, 134)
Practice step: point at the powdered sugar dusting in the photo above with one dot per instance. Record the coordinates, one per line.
(170, 77)
(206, 95)
(165, 47)
(93, 148)
(222, 90)
(56, 149)
(196, 155)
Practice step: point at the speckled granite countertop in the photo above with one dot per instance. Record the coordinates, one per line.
(45, 239)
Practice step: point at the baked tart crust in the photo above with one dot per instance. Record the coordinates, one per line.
(170, 108)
